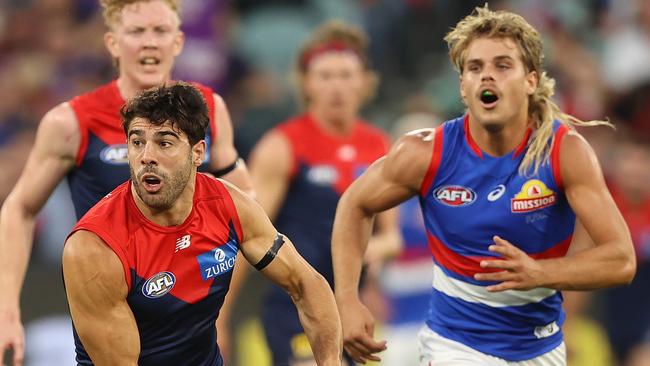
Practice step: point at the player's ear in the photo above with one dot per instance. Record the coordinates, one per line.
(463, 94)
(110, 41)
(531, 82)
(198, 153)
(179, 42)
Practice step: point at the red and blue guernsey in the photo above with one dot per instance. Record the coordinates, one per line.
(468, 196)
(177, 276)
(101, 159)
(324, 165)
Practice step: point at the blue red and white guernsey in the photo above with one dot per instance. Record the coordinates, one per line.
(467, 197)
(177, 277)
(101, 158)
(323, 167)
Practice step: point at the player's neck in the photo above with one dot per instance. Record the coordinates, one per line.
(498, 141)
(173, 216)
(337, 126)
(129, 88)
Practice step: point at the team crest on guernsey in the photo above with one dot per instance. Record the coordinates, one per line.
(454, 196)
(534, 195)
(116, 154)
(158, 284)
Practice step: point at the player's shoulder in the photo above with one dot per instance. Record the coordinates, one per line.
(409, 157)
(83, 245)
(244, 204)
(413, 142)
(58, 132)
(87, 256)
(578, 163)
(61, 116)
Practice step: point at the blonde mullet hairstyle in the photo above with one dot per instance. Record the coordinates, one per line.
(334, 31)
(111, 8)
(485, 23)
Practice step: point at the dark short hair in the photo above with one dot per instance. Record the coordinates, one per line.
(181, 104)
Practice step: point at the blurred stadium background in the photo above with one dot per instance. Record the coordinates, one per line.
(597, 50)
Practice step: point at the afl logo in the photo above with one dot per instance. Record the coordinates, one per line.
(158, 285)
(115, 154)
(454, 196)
(219, 255)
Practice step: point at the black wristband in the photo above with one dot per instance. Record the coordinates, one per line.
(270, 255)
(223, 171)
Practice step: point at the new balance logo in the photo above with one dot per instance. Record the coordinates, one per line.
(182, 243)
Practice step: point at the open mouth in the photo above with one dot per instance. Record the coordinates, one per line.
(151, 183)
(149, 61)
(488, 97)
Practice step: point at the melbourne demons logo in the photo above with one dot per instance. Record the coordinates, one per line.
(534, 195)
(158, 285)
(454, 196)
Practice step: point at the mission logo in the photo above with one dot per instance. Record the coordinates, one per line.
(534, 195)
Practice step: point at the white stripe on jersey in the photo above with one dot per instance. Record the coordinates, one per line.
(478, 294)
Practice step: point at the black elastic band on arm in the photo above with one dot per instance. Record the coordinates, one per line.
(225, 170)
(270, 255)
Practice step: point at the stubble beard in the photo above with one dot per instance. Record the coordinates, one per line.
(173, 185)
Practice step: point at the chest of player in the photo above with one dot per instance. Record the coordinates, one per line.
(475, 198)
(331, 167)
(173, 271)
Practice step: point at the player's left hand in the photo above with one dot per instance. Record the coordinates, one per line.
(520, 271)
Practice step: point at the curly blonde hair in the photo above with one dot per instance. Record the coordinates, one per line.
(485, 23)
(112, 8)
(341, 34)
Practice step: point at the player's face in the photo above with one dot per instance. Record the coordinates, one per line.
(495, 84)
(336, 83)
(146, 39)
(161, 161)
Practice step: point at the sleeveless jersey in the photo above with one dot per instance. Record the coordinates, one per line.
(102, 163)
(177, 276)
(467, 197)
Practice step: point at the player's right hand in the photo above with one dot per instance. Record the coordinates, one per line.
(358, 330)
(12, 335)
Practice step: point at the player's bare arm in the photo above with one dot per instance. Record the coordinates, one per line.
(96, 291)
(309, 291)
(223, 151)
(609, 262)
(385, 242)
(51, 157)
(270, 166)
(387, 182)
